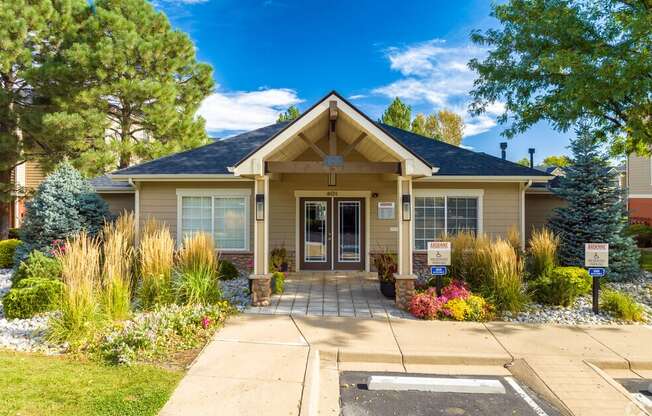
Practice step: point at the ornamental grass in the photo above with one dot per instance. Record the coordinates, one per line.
(504, 283)
(117, 269)
(156, 262)
(197, 276)
(543, 252)
(81, 274)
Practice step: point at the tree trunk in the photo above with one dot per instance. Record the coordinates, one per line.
(5, 201)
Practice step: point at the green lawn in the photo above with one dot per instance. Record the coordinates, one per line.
(33, 384)
(646, 260)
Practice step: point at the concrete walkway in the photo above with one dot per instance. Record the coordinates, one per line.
(346, 294)
(260, 364)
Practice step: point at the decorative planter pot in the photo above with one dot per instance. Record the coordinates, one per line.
(284, 267)
(388, 289)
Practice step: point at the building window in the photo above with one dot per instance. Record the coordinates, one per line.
(222, 216)
(436, 216)
(386, 211)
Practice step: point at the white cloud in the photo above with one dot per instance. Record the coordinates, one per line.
(357, 96)
(245, 110)
(437, 74)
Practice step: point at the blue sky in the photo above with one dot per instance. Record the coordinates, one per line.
(269, 54)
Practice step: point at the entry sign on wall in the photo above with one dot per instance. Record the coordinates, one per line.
(596, 255)
(439, 253)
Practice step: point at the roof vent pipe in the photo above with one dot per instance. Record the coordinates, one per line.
(531, 152)
(503, 150)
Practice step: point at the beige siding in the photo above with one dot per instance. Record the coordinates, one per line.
(159, 200)
(500, 203)
(119, 202)
(34, 175)
(639, 175)
(538, 210)
(283, 202)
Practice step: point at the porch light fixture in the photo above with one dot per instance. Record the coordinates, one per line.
(332, 179)
(260, 207)
(407, 209)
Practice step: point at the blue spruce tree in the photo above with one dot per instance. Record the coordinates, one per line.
(595, 212)
(64, 204)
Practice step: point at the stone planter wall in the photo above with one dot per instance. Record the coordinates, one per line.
(261, 291)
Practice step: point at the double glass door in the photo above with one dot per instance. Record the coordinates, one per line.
(332, 233)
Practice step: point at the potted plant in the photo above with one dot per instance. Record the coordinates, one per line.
(386, 266)
(279, 259)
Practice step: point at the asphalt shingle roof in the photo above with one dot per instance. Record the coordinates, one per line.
(216, 157)
(104, 182)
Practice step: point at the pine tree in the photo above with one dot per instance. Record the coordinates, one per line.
(595, 210)
(292, 113)
(64, 204)
(129, 85)
(397, 114)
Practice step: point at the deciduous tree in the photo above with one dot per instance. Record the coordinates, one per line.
(292, 113)
(568, 60)
(561, 161)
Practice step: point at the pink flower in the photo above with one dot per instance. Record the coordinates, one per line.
(456, 290)
(205, 322)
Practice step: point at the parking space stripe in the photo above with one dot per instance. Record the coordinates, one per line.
(538, 410)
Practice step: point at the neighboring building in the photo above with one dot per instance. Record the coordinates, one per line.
(26, 178)
(540, 201)
(333, 187)
(638, 179)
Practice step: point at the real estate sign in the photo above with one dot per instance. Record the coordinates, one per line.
(439, 253)
(596, 255)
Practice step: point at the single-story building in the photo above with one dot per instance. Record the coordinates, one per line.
(332, 187)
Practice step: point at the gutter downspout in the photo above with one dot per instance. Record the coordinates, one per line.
(136, 209)
(524, 187)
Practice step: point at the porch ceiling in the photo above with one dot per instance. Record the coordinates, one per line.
(346, 130)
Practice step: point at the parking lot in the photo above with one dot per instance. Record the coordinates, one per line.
(358, 399)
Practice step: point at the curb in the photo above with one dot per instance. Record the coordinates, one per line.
(454, 359)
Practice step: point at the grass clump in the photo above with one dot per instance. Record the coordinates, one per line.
(197, 277)
(503, 284)
(156, 262)
(621, 306)
(79, 314)
(117, 270)
(543, 252)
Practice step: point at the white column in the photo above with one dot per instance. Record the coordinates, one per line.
(261, 229)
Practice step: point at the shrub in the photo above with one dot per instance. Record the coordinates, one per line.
(64, 205)
(278, 282)
(116, 271)
(197, 279)
(621, 306)
(543, 252)
(561, 286)
(37, 265)
(425, 306)
(503, 285)
(228, 271)
(14, 233)
(32, 296)
(7, 252)
(156, 260)
(386, 265)
(160, 333)
(79, 304)
(279, 259)
(642, 233)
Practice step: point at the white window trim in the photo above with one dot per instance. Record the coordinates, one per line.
(224, 193)
(448, 193)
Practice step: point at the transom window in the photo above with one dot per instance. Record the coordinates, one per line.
(438, 215)
(222, 215)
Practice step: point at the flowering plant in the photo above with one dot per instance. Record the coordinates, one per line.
(456, 302)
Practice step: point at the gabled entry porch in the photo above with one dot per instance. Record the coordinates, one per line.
(319, 187)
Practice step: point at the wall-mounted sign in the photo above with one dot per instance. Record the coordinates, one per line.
(439, 253)
(596, 255)
(386, 210)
